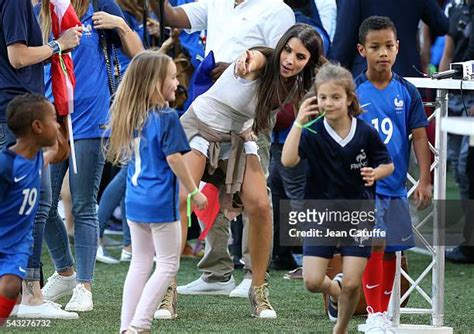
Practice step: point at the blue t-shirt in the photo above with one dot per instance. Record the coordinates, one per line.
(20, 181)
(18, 25)
(394, 112)
(152, 188)
(333, 169)
(91, 95)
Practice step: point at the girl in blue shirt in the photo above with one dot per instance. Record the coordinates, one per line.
(91, 105)
(148, 135)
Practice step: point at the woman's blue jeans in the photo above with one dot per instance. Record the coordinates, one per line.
(84, 187)
(113, 195)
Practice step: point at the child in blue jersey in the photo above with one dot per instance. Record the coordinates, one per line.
(345, 157)
(32, 119)
(148, 135)
(394, 108)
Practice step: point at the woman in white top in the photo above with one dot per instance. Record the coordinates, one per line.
(219, 127)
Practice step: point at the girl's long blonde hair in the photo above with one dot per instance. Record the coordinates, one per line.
(80, 6)
(140, 91)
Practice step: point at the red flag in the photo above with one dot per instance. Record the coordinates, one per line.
(209, 214)
(63, 17)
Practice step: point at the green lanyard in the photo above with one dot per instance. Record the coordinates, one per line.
(188, 204)
(307, 125)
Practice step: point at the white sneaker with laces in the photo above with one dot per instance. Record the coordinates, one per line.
(58, 286)
(201, 287)
(104, 257)
(47, 310)
(242, 290)
(376, 322)
(126, 256)
(81, 300)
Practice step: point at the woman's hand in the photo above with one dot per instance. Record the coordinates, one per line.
(70, 38)
(103, 20)
(153, 27)
(309, 108)
(249, 63)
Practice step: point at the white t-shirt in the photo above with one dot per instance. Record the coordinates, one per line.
(231, 31)
(229, 105)
(327, 10)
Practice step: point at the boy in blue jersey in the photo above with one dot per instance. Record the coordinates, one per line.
(32, 119)
(394, 107)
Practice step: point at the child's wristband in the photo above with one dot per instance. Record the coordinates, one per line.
(188, 204)
(297, 125)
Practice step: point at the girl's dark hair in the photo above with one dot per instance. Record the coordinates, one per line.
(341, 76)
(273, 90)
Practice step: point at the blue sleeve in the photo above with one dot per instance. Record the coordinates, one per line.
(434, 17)
(15, 23)
(378, 152)
(6, 171)
(346, 37)
(111, 7)
(173, 138)
(416, 114)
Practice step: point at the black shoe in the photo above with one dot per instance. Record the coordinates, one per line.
(456, 255)
(279, 263)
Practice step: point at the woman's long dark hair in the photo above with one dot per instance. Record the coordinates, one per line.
(273, 89)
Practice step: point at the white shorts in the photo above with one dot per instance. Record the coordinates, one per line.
(202, 145)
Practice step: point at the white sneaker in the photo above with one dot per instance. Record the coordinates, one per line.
(14, 310)
(242, 290)
(104, 257)
(58, 286)
(47, 310)
(81, 300)
(375, 323)
(200, 287)
(126, 256)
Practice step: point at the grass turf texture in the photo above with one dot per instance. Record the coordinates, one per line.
(297, 309)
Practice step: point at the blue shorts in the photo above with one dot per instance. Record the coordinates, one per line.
(393, 216)
(13, 264)
(327, 252)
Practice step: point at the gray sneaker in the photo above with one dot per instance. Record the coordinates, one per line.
(167, 308)
(259, 302)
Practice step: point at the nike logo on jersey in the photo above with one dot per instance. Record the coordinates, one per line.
(406, 238)
(365, 105)
(387, 293)
(18, 179)
(22, 270)
(371, 286)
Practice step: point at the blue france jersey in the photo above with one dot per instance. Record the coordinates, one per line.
(152, 194)
(394, 112)
(333, 169)
(20, 181)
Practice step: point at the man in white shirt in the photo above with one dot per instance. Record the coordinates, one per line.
(232, 27)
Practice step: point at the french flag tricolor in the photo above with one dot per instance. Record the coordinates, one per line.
(63, 80)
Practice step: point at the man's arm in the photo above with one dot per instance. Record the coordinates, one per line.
(175, 17)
